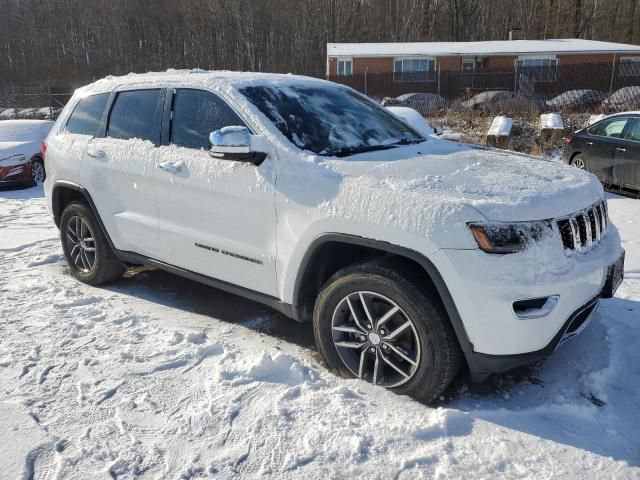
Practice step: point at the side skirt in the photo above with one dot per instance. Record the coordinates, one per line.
(273, 302)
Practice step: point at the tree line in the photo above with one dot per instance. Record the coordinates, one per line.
(67, 43)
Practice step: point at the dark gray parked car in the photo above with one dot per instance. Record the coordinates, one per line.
(609, 148)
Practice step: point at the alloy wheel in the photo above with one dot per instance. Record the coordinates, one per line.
(81, 244)
(375, 339)
(578, 162)
(37, 173)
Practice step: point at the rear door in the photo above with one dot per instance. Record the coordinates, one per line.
(69, 144)
(627, 158)
(600, 145)
(217, 217)
(118, 168)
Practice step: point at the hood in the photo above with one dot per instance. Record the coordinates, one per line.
(501, 185)
(10, 150)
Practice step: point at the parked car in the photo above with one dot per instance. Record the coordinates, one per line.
(411, 256)
(21, 161)
(609, 148)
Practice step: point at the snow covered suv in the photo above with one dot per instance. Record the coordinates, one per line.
(411, 256)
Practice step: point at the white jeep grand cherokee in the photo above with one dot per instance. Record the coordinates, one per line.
(412, 256)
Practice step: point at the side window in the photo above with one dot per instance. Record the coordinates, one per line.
(134, 115)
(634, 131)
(197, 113)
(86, 116)
(609, 128)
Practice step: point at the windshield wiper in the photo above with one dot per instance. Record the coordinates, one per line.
(346, 151)
(409, 141)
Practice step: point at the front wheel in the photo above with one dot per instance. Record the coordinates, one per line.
(374, 322)
(579, 162)
(88, 254)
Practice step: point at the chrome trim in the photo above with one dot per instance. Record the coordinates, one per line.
(580, 245)
(543, 311)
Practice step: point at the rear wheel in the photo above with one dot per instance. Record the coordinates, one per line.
(88, 254)
(37, 172)
(374, 322)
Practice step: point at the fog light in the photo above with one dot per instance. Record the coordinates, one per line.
(535, 307)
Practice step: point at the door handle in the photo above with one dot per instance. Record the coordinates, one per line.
(172, 167)
(96, 153)
(621, 149)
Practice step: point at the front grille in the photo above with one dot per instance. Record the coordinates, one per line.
(581, 231)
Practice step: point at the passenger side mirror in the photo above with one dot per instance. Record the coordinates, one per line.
(234, 143)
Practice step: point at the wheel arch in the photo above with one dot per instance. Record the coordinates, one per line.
(338, 248)
(574, 155)
(63, 193)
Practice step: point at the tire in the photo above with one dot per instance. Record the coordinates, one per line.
(38, 173)
(90, 258)
(429, 341)
(578, 161)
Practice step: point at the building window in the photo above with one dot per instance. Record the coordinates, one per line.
(414, 70)
(345, 67)
(541, 68)
(472, 64)
(629, 67)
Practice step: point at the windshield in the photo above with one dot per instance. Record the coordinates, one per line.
(330, 120)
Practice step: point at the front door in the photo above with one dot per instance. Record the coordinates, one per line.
(601, 142)
(627, 160)
(216, 217)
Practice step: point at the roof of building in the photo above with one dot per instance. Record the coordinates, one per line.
(493, 47)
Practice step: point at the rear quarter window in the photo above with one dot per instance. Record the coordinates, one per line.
(87, 114)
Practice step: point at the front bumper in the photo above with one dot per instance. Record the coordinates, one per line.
(484, 288)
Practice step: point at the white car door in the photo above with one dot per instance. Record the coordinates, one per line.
(216, 217)
(71, 142)
(118, 170)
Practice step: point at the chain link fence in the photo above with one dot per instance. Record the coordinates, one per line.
(586, 88)
(31, 101)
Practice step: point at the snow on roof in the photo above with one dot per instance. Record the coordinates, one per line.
(193, 77)
(494, 47)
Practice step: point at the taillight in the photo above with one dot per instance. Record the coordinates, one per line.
(567, 139)
(43, 149)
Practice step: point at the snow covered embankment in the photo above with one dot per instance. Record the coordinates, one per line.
(159, 377)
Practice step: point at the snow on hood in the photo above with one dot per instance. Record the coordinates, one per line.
(502, 186)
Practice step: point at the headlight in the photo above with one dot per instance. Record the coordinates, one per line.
(505, 238)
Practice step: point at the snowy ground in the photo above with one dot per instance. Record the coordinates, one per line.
(160, 377)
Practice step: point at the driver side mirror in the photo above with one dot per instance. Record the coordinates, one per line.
(234, 143)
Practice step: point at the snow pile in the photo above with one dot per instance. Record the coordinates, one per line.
(626, 98)
(500, 127)
(577, 99)
(594, 119)
(551, 121)
(155, 376)
(413, 118)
